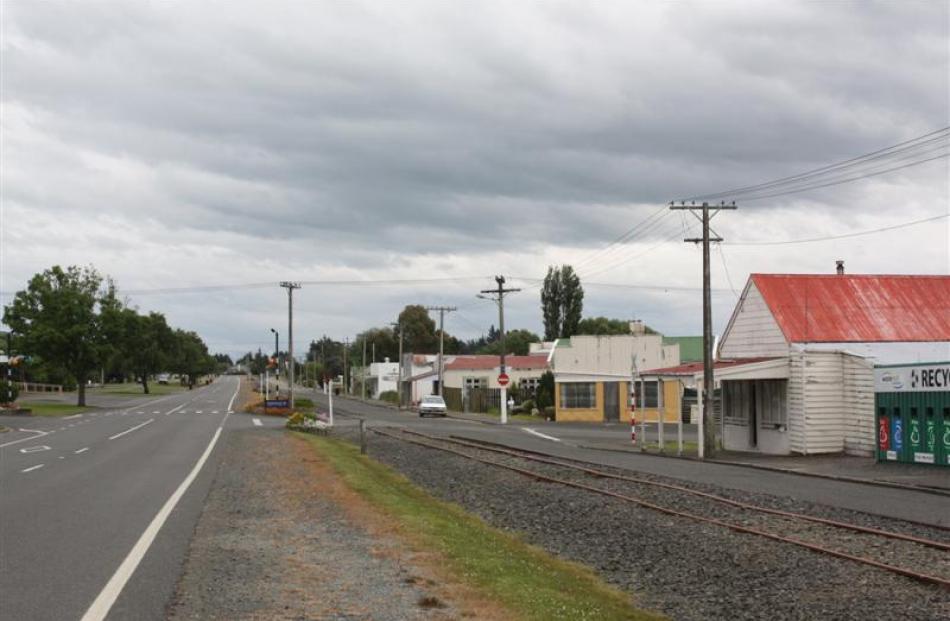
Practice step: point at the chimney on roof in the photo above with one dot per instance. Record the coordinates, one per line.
(637, 328)
(839, 266)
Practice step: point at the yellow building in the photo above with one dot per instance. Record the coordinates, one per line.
(592, 376)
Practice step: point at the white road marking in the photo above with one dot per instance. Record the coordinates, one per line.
(140, 412)
(257, 422)
(39, 433)
(156, 412)
(82, 450)
(122, 433)
(540, 435)
(173, 410)
(61, 457)
(73, 416)
(103, 603)
(35, 449)
(233, 397)
(32, 468)
(214, 412)
(198, 412)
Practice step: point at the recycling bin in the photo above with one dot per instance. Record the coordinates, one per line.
(912, 413)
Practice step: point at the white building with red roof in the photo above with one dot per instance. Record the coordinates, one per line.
(795, 363)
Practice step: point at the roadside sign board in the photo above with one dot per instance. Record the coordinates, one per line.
(277, 403)
(503, 379)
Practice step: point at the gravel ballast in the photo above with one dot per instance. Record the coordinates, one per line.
(685, 569)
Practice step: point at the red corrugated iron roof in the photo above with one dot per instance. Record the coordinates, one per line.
(832, 308)
(692, 368)
(479, 363)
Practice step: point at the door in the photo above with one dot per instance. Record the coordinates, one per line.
(611, 402)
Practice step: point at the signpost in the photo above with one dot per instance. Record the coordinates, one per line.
(503, 382)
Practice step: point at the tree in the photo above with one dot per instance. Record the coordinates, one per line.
(419, 333)
(55, 318)
(544, 397)
(191, 356)
(599, 326)
(562, 302)
(149, 344)
(517, 342)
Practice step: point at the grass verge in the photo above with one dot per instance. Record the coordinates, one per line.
(154, 389)
(528, 581)
(55, 409)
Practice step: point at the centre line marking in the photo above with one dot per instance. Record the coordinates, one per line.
(540, 435)
(103, 603)
(257, 422)
(35, 449)
(73, 416)
(122, 433)
(82, 450)
(32, 468)
(198, 412)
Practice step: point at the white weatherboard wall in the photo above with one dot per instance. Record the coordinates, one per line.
(752, 330)
(830, 403)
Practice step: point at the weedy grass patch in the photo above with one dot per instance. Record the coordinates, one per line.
(533, 584)
(55, 409)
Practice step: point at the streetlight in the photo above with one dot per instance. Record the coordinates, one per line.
(277, 358)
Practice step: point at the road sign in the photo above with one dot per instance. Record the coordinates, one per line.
(503, 379)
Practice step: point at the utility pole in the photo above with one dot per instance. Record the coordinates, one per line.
(277, 363)
(290, 286)
(499, 299)
(442, 311)
(707, 445)
(363, 371)
(346, 385)
(398, 326)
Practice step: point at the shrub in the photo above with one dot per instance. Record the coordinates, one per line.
(303, 402)
(527, 406)
(389, 396)
(549, 412)
(8, 392)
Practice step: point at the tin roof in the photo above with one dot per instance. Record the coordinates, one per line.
(478, 363)
(692, 368)
(833, 308)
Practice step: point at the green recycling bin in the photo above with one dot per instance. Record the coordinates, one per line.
(912, 413)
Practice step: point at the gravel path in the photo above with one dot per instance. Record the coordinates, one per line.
(277, 541)
(684, 569)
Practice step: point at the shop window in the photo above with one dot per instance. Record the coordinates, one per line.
(770, 402)
(651, 394)
(581, 395)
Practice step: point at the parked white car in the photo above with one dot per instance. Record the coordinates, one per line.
(433, 405)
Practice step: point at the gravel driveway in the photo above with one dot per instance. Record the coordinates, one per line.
(280, 538)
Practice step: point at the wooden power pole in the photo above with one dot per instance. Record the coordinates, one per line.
(707, 444)
(442, 311)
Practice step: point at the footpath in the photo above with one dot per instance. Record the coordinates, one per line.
(281, 537)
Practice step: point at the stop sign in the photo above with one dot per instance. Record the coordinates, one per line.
(503, 379)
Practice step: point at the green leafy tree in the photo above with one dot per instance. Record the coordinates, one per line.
(562, 302)
(420, 334)
(56, 318)
(600, 326)
(517, 342)
(191, 358)
(544, 397)
(149, 345)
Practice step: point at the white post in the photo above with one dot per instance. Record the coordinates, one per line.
(266, 385)
(504, 405)
(700, 444)
(660, 418)
(331, 402)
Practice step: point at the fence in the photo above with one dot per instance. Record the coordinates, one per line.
(37, 387)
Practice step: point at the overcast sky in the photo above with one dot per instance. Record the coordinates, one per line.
(181, 144)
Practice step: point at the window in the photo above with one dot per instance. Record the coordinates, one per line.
(578, 395)
(770, 402)
(476, 382)
(650, 397)
(529, 384)
(738, 402)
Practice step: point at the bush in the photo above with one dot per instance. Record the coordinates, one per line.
(303, 402)
(549, 412)
(298, 420)
(8, 392)
(389, 396)
(527, 406)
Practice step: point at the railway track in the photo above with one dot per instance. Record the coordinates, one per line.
(915, 557)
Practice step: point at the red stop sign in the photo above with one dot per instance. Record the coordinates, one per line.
(503, 379)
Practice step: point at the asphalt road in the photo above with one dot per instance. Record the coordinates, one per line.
(83, 498)
(572, 441)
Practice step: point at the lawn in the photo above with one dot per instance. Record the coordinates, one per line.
(55, 409)
(531, 583)
(154, 388)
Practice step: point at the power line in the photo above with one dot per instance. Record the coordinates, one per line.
(842, 236)
(903, 147)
